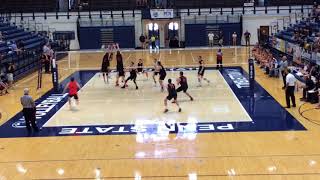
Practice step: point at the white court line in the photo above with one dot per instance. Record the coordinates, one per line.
(234, 95)
(192, 57)
(67, 101)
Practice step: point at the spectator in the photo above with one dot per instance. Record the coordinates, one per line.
(220, 38)
(247, 37)
(153, 42)
(210, 37)
(283, 69)
(309, 85)
(143, 41)
(234, 39)
(1, 37)
(46, 61)
(3, 88)
(10, 72)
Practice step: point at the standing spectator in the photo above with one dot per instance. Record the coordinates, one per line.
(29, 111)
(210, 37)
(142, 41)
(153, 42)
(283, 70)
(46, 49)
(220, 38)
(247, 37)
(10, 72)
(219, 58)
(290, 86)
(234, 38)
(46, 61)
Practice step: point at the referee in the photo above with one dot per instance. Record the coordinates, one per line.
(290, 86)
(29, 111)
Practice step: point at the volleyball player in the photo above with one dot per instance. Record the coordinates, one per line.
(140, 68)
(120, 68)
(156, 70)
(73, 87)
(162, 75)
(182, 80)
(172, 94)
(105, 66)
(201, 71)
(132, 77)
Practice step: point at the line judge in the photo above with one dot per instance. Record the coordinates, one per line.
(29, 111)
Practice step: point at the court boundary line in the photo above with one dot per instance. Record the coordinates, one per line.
(198, 175)
(160, 158)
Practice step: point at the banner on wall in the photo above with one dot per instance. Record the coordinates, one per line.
(161, 13)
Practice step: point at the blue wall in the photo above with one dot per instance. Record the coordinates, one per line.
(196, 34)
(89, 37)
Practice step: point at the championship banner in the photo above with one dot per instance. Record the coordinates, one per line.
(161, 13)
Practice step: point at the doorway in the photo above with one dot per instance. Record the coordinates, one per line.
(165, 31)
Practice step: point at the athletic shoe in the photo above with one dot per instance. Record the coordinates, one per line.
(180, 110)
(123, 87)
(166, 110)
(191, 99)
(137, 88)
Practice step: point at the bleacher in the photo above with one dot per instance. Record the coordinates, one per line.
(28, 5)
(288, 2)
(288, 33)
(26, 61)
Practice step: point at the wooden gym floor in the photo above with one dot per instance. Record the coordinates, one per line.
(233, 155)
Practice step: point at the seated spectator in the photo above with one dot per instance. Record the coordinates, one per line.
(3, 83)
(14, 48)
(10, 72)
(1, 37)
(309, 85)
(3, 88)
(20, 45)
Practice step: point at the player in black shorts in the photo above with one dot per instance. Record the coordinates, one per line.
(120, 68)
(156, 70)
(132, 77)
(182, 80)
(105, 66)
(201, 70)
(141, 69)
(172, 94)
(162, 75)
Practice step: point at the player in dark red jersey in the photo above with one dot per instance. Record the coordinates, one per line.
(182, 80)
(105, 66)
(201, 71)
(132, 77)
(120, 68)
(162, 75)
(172, 94)
(141, 69)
